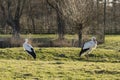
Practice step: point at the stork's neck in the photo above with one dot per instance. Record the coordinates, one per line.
(26, 41)
(95, 41)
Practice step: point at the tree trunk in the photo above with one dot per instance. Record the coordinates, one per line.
(103, 34)
(60, 20)
(80, 35)
(114, 17)
(33, 24)
(16, 33)
(16, 29)
(100, 31)
(61, 26)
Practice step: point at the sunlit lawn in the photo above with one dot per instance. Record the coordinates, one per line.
(62, 63)
(54, 36)
(58, 70)
(31, 35)
(67, 36)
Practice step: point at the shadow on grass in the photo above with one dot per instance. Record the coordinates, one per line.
(99, 71)
(94, 58)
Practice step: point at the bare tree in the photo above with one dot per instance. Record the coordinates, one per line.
(103, 33)
(31, 15)
(60, 20)
(100, 20)
(77, 11)
(12, 11)
(114, 15)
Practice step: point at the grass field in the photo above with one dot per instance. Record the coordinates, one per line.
(58, 70)
(62, 63)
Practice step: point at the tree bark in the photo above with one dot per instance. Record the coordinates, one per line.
(80, 35)
(60, 20)
(16, 29)
(103, 34)
(12, 14)
(114, 16)
(61, 26)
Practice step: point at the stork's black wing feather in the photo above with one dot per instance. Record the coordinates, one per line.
(82, 51)
(33, 54)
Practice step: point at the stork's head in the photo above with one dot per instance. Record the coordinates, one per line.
(26, 40)
(93, 38)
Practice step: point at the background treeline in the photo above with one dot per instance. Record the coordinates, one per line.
(82, 17)
(39, 17)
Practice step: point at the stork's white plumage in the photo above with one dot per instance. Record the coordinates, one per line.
(27, 47)
(88, 46)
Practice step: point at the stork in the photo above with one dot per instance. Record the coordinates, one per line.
(27, 47)
(88, 47)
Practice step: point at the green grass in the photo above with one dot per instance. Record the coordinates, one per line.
(111, 42)
(58, 70)
(62, 63)
(61, 54)
(31, 36)
(46, 36)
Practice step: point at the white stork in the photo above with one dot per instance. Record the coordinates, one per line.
(27, 47)
(88, 46)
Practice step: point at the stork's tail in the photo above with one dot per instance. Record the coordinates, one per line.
(82, 51)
